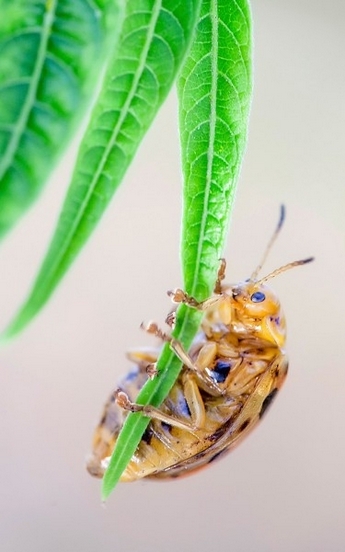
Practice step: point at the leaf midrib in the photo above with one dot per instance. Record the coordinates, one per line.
(22, 120)
(210, 152)
(123, 113)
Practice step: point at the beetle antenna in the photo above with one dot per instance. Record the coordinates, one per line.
(284, 268)
(270, 243)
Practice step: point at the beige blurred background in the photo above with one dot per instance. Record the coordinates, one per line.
(284, 488)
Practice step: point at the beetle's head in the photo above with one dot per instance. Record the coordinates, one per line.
(257, 309)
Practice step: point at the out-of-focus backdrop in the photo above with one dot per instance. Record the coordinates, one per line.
(284, 488)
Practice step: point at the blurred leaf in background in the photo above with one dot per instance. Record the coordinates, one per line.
(51, 56)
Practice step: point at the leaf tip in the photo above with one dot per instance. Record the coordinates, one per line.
(107, 489)
(6, 337)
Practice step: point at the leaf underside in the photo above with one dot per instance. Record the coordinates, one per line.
(214, 89)
(153, 41)
(50, 55)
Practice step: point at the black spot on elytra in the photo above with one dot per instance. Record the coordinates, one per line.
(220, 371)
(267, 402)
(220, 431)
(147, 435)
(244, 425)
(217, 455)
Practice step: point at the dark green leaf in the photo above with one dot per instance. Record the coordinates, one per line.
(50, 53)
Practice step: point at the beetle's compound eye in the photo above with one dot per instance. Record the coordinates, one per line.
(258, 297)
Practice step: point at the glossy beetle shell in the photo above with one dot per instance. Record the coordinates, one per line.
(238, 367)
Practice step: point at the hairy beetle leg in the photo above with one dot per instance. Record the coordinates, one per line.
(171, 319)
(151, 370)
(182, 354)
(179, 296)
(145, 359)
(220, 277)
(123, 401)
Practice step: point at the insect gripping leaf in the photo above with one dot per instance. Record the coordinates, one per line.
(228, 381)
(214, 91)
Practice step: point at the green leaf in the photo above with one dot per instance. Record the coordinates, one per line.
(153, 42)
(214, 90)
(47, 50)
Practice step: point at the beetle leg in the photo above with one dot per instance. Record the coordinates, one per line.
(267, 386)
(179, 296)
(206, 355)
(194, 400)
(123, 401)
(175, 344)
(171, 319)
(220, 277)
(152, 328)
(145, 359)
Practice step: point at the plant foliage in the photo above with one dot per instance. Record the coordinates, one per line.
(154, 38)
(214, 91)
(51, 55)
(52, 52)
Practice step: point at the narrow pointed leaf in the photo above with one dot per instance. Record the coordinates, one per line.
(214, 92)
(154, 39)
(50, 53)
